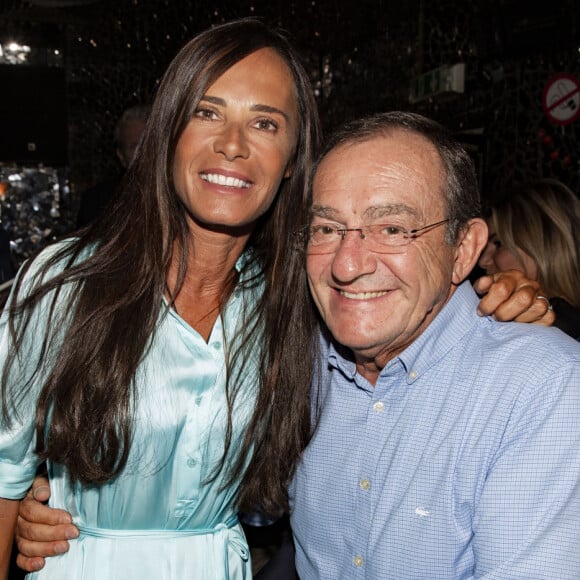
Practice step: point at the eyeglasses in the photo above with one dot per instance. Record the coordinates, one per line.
(381, 238)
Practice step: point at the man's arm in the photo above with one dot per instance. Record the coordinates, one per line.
(41, 531)
(526, 519)
(510, 295)
(8, 515)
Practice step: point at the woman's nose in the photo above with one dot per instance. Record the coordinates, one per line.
(232, 143)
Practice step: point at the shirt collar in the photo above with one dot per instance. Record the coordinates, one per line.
(455, 320)
(250, 273)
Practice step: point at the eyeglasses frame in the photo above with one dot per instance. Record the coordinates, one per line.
(408, 235)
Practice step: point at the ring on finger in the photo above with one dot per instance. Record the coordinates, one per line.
(545, 298)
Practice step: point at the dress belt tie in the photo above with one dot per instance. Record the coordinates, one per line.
(235, 540)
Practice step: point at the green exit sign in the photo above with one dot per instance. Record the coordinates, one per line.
(445, 79)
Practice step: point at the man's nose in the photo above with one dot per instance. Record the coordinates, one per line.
(232, 142)
(352, 258)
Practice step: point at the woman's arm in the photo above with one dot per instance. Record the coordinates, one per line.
(510, 296)
(8, 515)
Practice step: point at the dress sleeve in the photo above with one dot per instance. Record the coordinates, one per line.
(18, 460)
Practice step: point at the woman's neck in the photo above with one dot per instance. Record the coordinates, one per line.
(210, 276)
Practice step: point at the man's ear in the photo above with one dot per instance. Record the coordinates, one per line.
(471, 243)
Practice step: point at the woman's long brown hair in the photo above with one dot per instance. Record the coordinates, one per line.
(108, 298)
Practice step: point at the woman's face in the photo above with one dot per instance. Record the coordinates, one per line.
(238, 146)
(497, 258)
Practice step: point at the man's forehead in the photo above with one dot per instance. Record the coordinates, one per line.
(395, 147)
(395, 173)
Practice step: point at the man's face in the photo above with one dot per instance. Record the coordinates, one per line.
(374, 303)
(130, 136)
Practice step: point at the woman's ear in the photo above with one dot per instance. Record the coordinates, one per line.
(471, 243)
(289, 169)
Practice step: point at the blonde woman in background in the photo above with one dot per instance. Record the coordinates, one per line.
(536, 229)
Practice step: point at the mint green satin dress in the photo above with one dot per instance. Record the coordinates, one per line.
(160, 519)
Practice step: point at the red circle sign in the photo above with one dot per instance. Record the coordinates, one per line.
(561, 99)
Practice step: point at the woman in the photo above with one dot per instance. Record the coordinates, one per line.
(536, 229)
(175, 290)
(130, 359)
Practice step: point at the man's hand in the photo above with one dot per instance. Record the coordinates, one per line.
(8, 511)
(41, 531)
(511, 296)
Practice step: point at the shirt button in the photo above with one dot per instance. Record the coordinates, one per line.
(379, 406)
(365, 484)
(358, 561)
(191, 463)
(413, 375)
(216, 345)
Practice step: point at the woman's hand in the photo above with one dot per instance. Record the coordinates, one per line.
(510, 295)
(41, 531)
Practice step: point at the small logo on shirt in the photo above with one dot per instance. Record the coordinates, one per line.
(422, 512)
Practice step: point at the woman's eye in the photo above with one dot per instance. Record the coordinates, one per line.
(205, 114)
(266, 125)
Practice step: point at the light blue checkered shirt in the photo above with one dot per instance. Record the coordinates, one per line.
(462, 462)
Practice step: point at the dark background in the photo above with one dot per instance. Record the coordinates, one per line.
(92, 59)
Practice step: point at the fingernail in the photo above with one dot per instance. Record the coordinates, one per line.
(36, 565)
(60, 548)
(479, 312)
(71, 533)
(40, 490)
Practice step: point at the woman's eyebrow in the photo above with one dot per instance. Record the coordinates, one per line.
(270, 109)
(214, 100)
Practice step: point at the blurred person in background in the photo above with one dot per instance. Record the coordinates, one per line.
(535, 229)
(128, 132)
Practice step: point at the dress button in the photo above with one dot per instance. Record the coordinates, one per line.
(358, 561)
(379, 406)
(365, 484)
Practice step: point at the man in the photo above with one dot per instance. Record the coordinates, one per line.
(446, 445)
(128, 132)
(329, 214)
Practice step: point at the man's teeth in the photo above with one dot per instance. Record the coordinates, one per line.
(223, 180)
(362, 295)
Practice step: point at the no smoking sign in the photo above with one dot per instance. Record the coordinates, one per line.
(561, 99)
